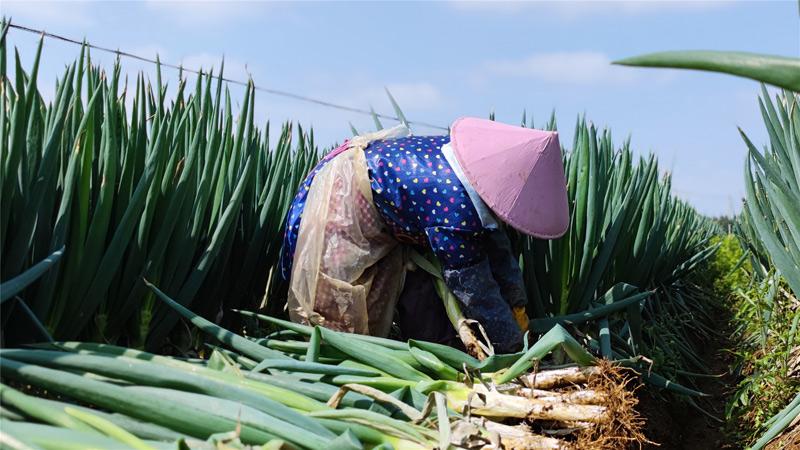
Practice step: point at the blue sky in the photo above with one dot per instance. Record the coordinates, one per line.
(443, 60)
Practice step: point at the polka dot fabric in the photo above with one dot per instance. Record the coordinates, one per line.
(419, 197)
(422, 199)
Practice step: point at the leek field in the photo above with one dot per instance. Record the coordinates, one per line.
(142, 305)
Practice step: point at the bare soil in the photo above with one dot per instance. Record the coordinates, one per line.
(789, 440)
(673, 424)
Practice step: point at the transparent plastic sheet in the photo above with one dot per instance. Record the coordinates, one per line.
(348, 269)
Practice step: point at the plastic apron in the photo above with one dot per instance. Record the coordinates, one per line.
(348, 269)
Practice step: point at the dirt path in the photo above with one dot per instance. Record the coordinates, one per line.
(675, 424)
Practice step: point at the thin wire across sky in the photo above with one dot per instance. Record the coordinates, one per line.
(291, 95)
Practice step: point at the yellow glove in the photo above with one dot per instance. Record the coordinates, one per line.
(521, 317)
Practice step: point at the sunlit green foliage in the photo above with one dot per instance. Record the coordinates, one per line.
(769, 228)
(629, 236)
(180, 192)
(729, 270)
(768, 357)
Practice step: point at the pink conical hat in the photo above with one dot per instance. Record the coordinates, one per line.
(517, 171)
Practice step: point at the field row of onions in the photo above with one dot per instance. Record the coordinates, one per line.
(142, 305)
(756, 273)
(766, 285)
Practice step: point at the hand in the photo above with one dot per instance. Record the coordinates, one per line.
(521, 316)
